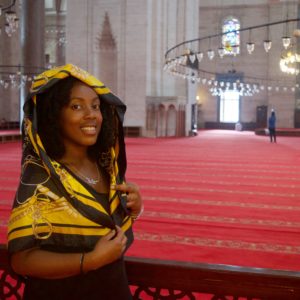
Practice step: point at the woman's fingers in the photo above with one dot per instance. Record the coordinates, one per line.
(110, 235)
(126, 188)
(133, 197)
(122, 237)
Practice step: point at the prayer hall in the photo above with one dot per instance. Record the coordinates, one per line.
(200, 79)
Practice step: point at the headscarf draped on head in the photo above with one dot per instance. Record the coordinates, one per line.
(52, 209)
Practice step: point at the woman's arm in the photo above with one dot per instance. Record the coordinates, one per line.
(52, 265)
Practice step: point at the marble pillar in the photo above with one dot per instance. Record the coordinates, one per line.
(191, 32)
(9, 60)
(32, 30)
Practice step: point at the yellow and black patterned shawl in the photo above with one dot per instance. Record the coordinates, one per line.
(52, 209)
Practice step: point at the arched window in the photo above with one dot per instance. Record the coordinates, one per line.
(231, 40)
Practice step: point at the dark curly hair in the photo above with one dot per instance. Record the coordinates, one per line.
(49, 105)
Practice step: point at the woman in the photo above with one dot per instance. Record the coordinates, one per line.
(73, 213)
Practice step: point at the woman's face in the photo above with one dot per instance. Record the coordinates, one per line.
(81, 118)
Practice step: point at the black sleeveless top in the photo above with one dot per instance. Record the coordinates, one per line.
(107, 283)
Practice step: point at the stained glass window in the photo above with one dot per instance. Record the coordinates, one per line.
(231, 40)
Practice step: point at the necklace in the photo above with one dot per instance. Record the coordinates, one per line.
(87, 179)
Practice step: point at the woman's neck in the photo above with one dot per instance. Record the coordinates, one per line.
(76, 157)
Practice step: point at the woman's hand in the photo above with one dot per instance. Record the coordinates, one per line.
(108, 249)
(134, 199)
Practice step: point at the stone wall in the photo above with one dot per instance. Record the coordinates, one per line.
(123, 67)
(141, 31)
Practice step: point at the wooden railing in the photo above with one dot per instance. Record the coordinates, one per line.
(172, 280)
(221, 281)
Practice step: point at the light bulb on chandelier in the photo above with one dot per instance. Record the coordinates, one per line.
(286, 41)
(210, 54)
(221, 52)
(192, 58)
(267, 45)
(199, 56)
(250, 47)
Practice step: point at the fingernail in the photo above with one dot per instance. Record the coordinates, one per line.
(113, 186)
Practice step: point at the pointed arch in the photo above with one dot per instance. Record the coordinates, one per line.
(161, 124)
(171, 120)
(107, 60)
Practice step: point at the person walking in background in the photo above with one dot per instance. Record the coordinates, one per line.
(272, 127)
(72, 217)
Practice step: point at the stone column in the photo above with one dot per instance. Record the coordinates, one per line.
(60, 22)
(32, 29)
(191, 32)
(9, 92)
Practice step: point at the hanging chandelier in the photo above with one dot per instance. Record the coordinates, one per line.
(11, 20)
(187, 64)
(15, 76)
(289, 63)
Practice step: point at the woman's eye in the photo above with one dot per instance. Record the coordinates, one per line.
(75, 106)
(96, 106)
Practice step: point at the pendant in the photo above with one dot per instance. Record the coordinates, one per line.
(91, 181)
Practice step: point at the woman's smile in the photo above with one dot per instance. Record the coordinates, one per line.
(89, 129)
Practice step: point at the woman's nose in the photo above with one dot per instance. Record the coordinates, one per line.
(90, 112)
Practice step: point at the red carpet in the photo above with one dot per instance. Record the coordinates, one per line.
(221, 197)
